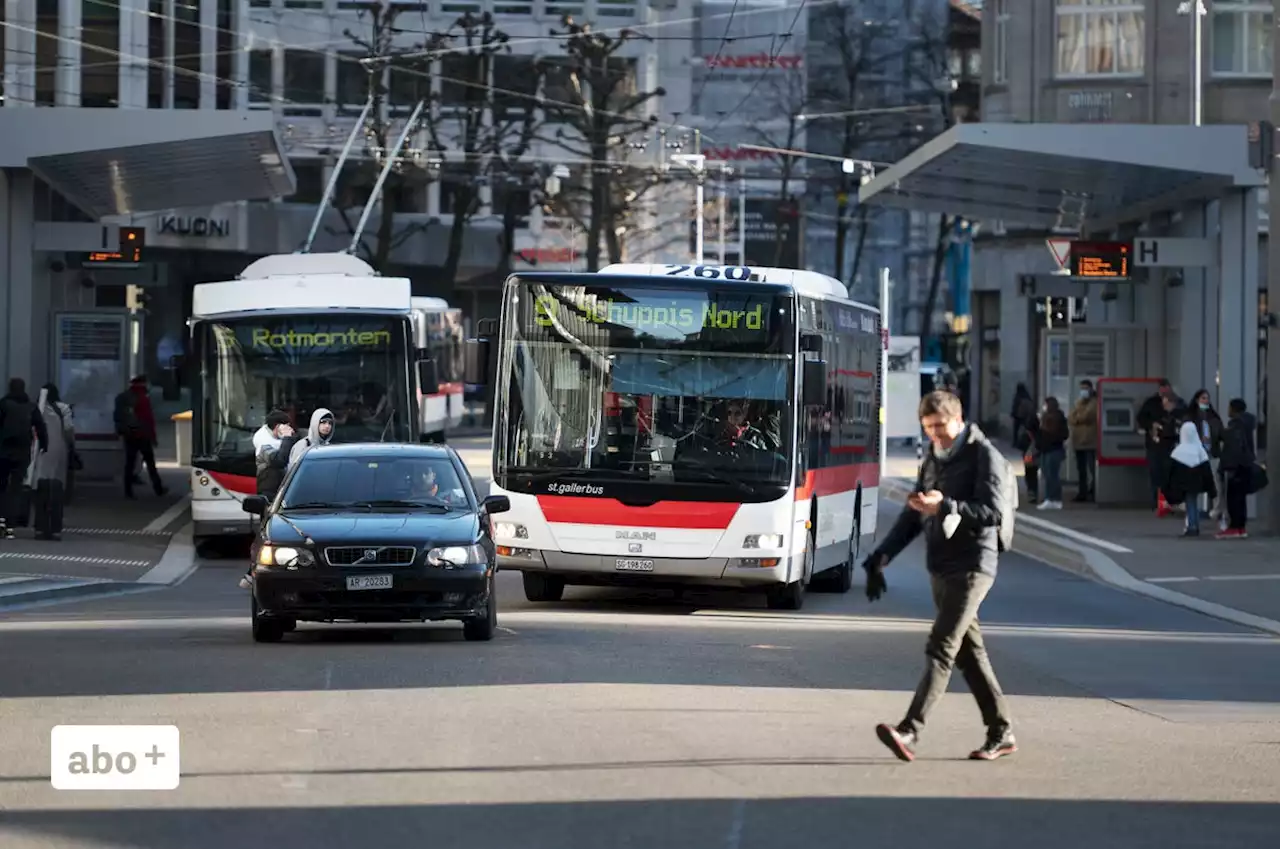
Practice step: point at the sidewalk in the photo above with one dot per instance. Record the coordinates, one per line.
(1237, 580)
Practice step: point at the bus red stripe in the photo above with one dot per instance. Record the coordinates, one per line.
(692, 515)
(836, 479)
(236, 483)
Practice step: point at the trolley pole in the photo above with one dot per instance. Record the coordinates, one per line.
(885, 283)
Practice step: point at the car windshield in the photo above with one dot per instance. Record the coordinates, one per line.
(357, 367)
(375, 481)
(652, 394)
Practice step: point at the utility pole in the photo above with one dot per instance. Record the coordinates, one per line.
(742, 216)
(724, 178)
(1268, 509)
(699, 194)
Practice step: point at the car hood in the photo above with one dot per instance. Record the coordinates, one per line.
(401, 527)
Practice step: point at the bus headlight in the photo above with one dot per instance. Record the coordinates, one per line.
(283, 555)
(763, 541)
(510, 530)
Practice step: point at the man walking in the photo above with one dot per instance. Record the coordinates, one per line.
(964, 494)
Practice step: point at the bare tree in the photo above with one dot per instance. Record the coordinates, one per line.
(929, 67)
(482, 136)
(786, 96)
(591, 92)
(382, 58)
(864, 50)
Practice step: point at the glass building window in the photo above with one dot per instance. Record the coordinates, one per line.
(186, 56)
(310, 174)
(303, 76)
(352, 86)
(1242, 38)
(100, 66)
(157, 73)
(260, 76)
(1100, 38)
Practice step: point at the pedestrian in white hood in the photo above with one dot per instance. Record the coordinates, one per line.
(320, 433)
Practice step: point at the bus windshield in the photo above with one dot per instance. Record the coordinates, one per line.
(355, 366)
(642, 386)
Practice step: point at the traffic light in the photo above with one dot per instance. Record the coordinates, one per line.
(132, 241)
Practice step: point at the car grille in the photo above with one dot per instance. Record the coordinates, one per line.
(370, 555)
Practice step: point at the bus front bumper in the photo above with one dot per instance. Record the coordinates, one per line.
(640, 570)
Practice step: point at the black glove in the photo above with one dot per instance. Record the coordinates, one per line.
(876, 584)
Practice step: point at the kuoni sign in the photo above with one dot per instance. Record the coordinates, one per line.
(656, 318)
(265, 338)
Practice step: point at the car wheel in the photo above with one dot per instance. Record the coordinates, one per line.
(266, 630)
(482, 628)
(542, 587)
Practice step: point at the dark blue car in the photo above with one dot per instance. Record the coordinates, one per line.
(375, 533)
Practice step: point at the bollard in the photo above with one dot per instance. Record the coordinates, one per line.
(182, 437)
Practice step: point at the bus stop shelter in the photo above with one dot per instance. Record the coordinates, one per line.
(113, 162)
(1090, 181)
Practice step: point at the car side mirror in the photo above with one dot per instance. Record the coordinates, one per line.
(476, 361)
(814, 380)
(255, 504)
(493, 504)
(428, 377)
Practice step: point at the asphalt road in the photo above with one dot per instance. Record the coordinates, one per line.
(622, 719)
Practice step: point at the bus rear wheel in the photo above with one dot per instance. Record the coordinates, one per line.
(541, 587)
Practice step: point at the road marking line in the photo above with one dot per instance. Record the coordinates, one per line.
(177, 563)
(1036, 522)
(18, 579)
(1242, 577)
(1110, 572)
(114, 532)
(159, 523)
(1183, 580)
(68, 558)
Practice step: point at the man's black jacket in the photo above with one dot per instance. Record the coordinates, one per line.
(972, 480)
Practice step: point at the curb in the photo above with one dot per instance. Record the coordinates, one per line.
(1089, 562)
(64, 592)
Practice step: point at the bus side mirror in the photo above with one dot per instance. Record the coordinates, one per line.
(476, 361)
(814, 383)
(428, 377)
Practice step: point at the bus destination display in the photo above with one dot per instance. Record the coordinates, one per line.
(1101, 259)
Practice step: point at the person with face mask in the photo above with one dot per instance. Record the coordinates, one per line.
(1210, 426)
(1084, 438)
(272, 445)
(320, 433)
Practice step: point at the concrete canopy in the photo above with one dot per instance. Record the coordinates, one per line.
(120, 161)
(1051, 175)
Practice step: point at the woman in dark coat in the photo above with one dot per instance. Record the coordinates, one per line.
(1210, 427)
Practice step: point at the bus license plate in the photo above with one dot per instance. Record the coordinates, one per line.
(369, 582)
(631, 565)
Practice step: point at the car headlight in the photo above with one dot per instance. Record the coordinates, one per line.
(510, 530)
(762, 541)
(457, 555)
(284, 555)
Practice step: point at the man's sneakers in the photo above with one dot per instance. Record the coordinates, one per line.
(6, 532)
(899, 742)
(997, 746)
(902, 744)
(245, 583)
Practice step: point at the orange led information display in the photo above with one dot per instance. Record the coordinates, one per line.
(1108, 260)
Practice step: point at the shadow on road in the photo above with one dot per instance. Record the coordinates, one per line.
(903, 823)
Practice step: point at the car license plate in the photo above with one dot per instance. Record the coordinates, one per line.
(625, 564)
(369, 582)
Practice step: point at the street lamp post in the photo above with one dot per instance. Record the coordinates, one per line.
(1269, 508)
(1197, 56)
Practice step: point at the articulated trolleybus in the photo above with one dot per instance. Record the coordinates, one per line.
(683, 425)
(297, 332)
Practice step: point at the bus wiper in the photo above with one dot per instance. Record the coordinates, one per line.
(392, 502)
(712, 474)
(569, 474)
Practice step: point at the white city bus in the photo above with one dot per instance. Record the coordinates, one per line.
(437, 329)
(617, 434)
(296, 332)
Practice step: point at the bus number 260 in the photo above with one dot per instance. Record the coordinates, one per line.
(710, 272)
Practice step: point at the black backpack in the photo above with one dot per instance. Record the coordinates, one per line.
(126, 414)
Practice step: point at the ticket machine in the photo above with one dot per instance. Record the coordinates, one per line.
(1122, 476)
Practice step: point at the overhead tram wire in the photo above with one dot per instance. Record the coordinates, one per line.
(773, 56)
(724, 41)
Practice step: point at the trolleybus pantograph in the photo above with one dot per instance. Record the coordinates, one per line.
(298, 332)
(686, 425)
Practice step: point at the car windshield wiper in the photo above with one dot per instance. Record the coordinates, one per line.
(314, 505)
(414, 504)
